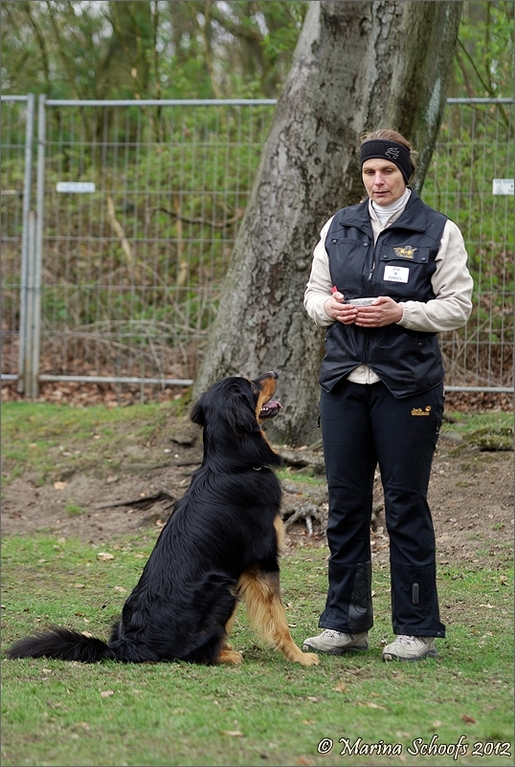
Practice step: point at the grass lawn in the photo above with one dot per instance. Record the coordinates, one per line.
(352, 710)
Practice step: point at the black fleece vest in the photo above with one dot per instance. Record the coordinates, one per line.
(400, 265)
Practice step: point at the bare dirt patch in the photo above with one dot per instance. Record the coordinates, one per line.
(471, 497)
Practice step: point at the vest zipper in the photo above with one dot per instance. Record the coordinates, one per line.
(374, 251)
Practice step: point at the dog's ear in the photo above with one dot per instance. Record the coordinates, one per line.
(229, 400)
(197, 413)
(240, 414)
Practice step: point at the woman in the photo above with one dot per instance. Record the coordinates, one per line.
(388, 274)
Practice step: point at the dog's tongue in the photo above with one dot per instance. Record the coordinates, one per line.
(271, 408)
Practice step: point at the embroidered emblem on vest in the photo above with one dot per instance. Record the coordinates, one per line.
(406, 252)
(419, 411)
(392, 152)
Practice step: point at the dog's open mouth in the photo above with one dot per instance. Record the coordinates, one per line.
(270, 409)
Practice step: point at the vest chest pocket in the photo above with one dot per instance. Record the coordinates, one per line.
(405, 265)
(349, 260)
(399, 255)
(347, 244)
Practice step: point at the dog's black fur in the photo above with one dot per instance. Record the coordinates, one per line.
(220, 544)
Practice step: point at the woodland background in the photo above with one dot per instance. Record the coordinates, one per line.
(194, 49)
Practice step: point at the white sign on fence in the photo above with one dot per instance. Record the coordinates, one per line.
(502, 186)
(79, 187)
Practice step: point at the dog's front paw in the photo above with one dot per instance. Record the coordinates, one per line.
(309, 659)
(230, 656)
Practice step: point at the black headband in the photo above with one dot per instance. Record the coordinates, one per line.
(388, 150)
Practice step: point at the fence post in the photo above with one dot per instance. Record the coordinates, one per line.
(25, 247)
(28, 347)
(38, 252)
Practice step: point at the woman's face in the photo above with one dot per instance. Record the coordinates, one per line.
(383, 181)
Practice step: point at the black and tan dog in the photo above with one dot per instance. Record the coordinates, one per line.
(220, 545)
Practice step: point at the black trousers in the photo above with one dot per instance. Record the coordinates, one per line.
(363, 426)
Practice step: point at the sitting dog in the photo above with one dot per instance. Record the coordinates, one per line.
(220, 545)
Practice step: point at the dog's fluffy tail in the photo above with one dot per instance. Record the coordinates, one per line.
(61, 644)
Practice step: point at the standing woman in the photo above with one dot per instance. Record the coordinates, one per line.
(388, 274)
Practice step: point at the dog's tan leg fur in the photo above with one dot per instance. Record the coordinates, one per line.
(279, 533)
(228, 629)
(227, 654)
(230, 656)
(262, 594)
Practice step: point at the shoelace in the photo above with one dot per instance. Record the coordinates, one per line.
(409, 640)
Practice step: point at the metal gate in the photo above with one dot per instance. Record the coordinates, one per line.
(114, 254)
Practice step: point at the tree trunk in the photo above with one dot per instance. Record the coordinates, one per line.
(357, 66)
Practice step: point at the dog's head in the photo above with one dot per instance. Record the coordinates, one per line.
(231, 413)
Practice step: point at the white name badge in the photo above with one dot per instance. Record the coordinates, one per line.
(396, 274)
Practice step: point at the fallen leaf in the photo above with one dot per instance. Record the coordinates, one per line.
(59, 485)
(468, 719)
(103, 556)
(304, 760)
(106, 693)
(120, 588)
(371, 704)
(80, 586)
(232, 733)
(340, 687)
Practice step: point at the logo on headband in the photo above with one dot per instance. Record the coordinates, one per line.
(392, 152)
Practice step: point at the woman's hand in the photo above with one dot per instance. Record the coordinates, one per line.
(384, 311)
(337, 310)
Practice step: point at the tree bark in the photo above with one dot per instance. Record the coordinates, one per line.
(357, 66)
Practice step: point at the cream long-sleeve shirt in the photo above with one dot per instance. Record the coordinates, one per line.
(451, 282)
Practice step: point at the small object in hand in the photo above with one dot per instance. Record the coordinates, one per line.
(361, 301)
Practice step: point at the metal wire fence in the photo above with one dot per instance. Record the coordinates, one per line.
(468, 181)
(114, 251)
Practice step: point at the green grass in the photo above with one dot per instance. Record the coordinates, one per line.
(486, 431)
(468, 423)
(267, 711)
(55, 441)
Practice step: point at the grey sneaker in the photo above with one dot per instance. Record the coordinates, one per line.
(336, 642)
(410, 648)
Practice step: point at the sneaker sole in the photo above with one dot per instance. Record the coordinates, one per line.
(429, 654)
(336, 650)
